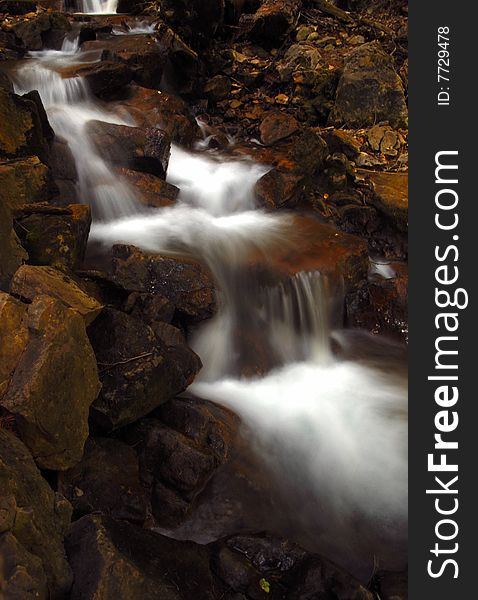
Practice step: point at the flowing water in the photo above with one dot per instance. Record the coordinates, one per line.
(334, 427)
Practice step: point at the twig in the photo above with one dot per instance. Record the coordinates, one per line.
(125, 361)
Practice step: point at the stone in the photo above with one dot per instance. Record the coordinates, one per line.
(152, 108)
(30, 281)
(22, 575)
(36, 518)
(198, 20)
(369, 90)
(186, 283)
(217, 88)
(135, 148)
(340, 141)
(24, 181)
(12, 255)
(44, 30)
(54, 383)
(151, 190)
(113, 559)
(180, 448)
(54, 236)
(391, 585)
(272, 22)
(104, 78)
(277, 126)
(18, 7)
(277, 190)
(14, 328)
(106, 480)
(138, 372)
(390, 195)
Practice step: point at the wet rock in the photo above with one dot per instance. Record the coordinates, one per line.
(276, 189)
(390, 195)
(104, 78)
(180, 449)
(22, 575)
(14, 328)
(36, 518)
(113, 559)
(24, 181)
(132, 147)
(152, 191)
(45, 30)
(186, 283)
(369, 90)
(218, 88)
(340, 141)
(12, 255)
(138, 372)
(262, 564)
(21, 131)
(31, 281)
(150, 308)
(106, 480)
(272, 22)
(53, 385)
(18, 7)
(151, 108)
(54, 236)
(277, 126)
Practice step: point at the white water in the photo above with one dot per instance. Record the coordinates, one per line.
(334, 428)
(98, 7)
(136, 29)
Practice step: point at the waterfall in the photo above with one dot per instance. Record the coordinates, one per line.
(97, 7)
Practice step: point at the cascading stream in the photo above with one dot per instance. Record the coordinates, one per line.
(335, 428)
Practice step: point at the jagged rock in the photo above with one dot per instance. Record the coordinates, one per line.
(132, 147)
(390, 195)
(53, 385)
(276, 189)
(262, 564)
(186, 283)
(104, 78)
(272, 22)
(277, 126)
(18, 7)
(340, 141)
(151, 190)
(30, 281)
(150, 308)
(14, 328)
(12, 254)
(151, 108)
(54, 236)
(113, 559)
(36, 518)
(369, 90)
(22, 576)
(180, 449)
(45, 30)
(21, 131)
(138, 372)
(106, 480)
(24, 181)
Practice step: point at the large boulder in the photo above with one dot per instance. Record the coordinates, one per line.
(180, 448)
(30, 281)
(43, 30)
(33, 523)
(272, 22)
(113, 559)
(132, 147)
(54, 382)
(151, 190)
(186, 283)
(277, 126)
(369, 90)
(106, 480)
(24, 181)
(138, 371)
(104, 78)
(53, 235)
(12, 255)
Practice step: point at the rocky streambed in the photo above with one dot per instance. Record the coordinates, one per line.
(203, 299)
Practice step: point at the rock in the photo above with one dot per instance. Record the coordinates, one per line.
(21, 131)
(14, 328)
(104, 78)
(391, 585)
(150, 308)
(390, 195)
(22, 575)
(180, 449)
(186, 283)
(24, 181)
(18, 7)
(138, 372)
(106, 480)
(198, 20)
(12, 254)
(277, 190)
(54, 236)
(53, 385)
(45, 30)
(262, 564)
(30, 281)
(152, 108)
(369, 90)
(113, 559)
(36, 518)
(132, 147)
(340, 141)
(277, 126)
(151, 190)
(272, 22)
(218, 88)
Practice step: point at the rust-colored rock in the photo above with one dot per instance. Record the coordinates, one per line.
(277, 126)
(24, 181)
(104, 78)
(151, 190)
(53, 385)
(14, 336)
(30, 281)
(272, 22)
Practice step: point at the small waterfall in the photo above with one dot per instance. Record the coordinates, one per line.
(70, 106)
(97, 7)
